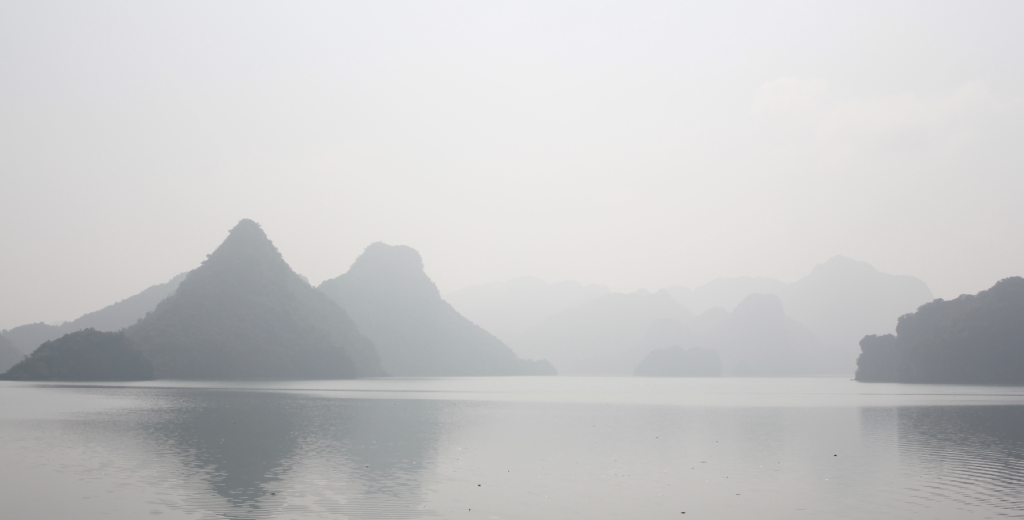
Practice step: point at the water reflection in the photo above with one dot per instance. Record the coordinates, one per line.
(265, 453)
(271, 452)
(973, 455)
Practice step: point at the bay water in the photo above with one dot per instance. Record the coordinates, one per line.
(512, 447)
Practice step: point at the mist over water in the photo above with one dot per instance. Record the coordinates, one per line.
(524, 260)
(513, 448)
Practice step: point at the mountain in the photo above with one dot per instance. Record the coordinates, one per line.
(676, 362)
(111, 318)
(9, 354)
(725, 293)
(27, 337)
(759, 339)
(394, 302)
(840, 301)
(755, 339)
(510, 308)
(975, 339)
(86, 355)
(601, 336)
(244, 314)
(126, 312)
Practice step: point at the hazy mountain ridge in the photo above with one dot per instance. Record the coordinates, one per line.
(724, 293)
(755, 339)
(840, 301)
(244, 314)
(510, 308)
(600, 336)
(823, 315)
(26, 338)
(128, 311)
(675, 362)
(758, 339)
(111, 318)
(9, 354)
(974, 339)
(417, 333)
(582, 329)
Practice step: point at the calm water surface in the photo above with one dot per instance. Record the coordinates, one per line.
(531, 448)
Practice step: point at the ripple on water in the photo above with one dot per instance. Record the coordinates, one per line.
(249, 454)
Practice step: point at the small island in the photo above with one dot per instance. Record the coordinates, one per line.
(86, 355)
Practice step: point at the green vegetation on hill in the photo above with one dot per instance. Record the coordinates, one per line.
(244, 314)
(970, 340)
(417, 333)
(86, 355)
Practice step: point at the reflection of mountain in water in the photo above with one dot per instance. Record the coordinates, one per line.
(240, 443)
(263, 454)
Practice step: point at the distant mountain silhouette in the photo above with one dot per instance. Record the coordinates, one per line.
(676, 362)
(86, 355)
(393, 301)
(27, 338)
(758, 339)
(509, 309)
(9, 354)
(840, 301)
(128, 311)
(244, 314)
(111, 318)
(601, 336)
(669, 332)
(724, 293)
(970, 340)
(755, 339)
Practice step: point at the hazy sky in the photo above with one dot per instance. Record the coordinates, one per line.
(631, 144)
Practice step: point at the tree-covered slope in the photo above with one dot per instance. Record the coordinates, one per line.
(244, 314)
(86, 355)
(975, 339)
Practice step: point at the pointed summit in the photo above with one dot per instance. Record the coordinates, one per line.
(417, 333)
(244, 314)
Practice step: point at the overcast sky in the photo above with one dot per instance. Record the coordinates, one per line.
(638, 145)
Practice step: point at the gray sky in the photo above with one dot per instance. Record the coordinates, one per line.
(631, 144)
